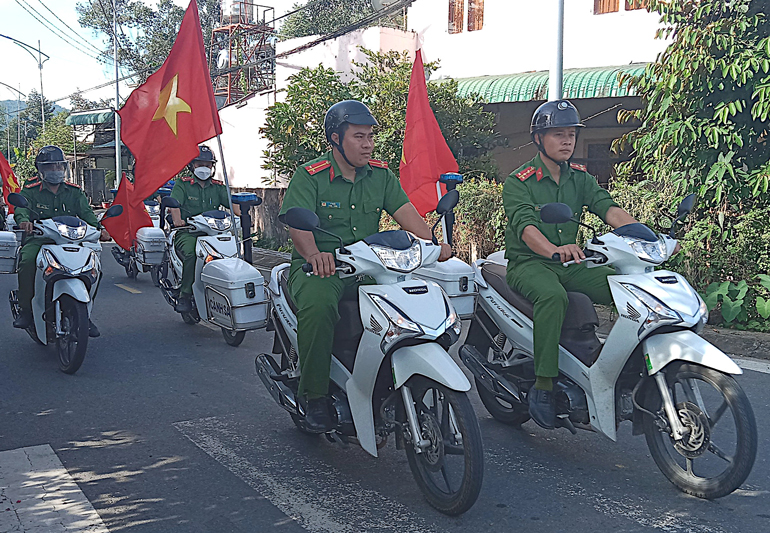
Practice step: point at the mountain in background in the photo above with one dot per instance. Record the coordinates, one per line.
(10, 106)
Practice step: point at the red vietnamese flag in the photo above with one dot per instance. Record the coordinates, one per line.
(425, 153)
(165, 118)
(10, 181)
(123, 228)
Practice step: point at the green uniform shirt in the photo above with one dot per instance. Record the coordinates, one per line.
(196, 199)
(68, 200)
(349, 209)
(531, 186)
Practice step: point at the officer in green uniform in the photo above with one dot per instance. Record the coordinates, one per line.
(48, 196)
(348, 191)
(195, 194)
(531, 244)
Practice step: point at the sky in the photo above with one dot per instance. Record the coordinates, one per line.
(68, 69)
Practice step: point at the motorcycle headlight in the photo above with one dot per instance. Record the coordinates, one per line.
(399, 260)
(399, 326)
(652, 252)
(74, 233)
(219, 224)
(211, 253)
(53, 265)
(659, 313)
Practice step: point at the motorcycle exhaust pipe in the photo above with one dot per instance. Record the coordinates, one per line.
(488, 378)
(282, 395)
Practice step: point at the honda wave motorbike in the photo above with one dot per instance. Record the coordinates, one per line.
(653, 369)
(390, 370)
(228, 291)
(148, 250)
(66, 282)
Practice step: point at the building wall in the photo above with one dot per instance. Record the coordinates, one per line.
(518, 36)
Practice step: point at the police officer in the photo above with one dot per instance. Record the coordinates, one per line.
(348, 191)
(48, 196)
(195, 194)
(530, 244)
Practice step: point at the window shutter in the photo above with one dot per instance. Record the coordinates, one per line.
(606, 6)
(475, 15)
(456, 8)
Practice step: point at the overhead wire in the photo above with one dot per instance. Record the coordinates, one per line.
(50, 27)
(74, 32)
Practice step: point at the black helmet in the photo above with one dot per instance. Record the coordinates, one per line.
(51, 165)
(204, 154)
(346, 112)
(556, 114)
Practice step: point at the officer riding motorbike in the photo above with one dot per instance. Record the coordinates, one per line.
(49, 195)
(195, 194)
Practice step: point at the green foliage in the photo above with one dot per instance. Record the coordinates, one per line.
(742, 305)
(704, 121)
(294, 127)
(479, 219)
(24, 166)
(80, 103)
(327, 16)
(32, 114)
(59, 134)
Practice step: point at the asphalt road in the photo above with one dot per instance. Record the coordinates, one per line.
(165, 428)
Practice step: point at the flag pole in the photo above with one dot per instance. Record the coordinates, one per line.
(118, 151)
(230, 198)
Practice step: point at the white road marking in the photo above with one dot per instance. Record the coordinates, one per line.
(38, 494)
(756, 365)
(128, 289)
(316, 496)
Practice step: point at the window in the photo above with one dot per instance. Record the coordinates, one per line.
(635, 4)
(475, 15)
(456, 8)
(606, 6)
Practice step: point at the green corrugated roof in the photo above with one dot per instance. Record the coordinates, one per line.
(598, 82)
(98, 116)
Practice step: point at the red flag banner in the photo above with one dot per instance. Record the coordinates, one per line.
(10, 181)
(123, 228)
(165, 118)
(425, 154)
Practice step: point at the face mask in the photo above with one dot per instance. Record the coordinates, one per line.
(53, 176)
(202, 173)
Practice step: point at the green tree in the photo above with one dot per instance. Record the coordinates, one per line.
(32, 113)
(327, 16)
(60, 134)
(145, 34)
(295, 127)
(80, 103)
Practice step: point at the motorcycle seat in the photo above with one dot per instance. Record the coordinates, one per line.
(349, 329)
(578, 332)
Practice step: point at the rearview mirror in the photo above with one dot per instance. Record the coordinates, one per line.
(686, 206)
(115, 210)
(301, 219)
(556, 213)
(17, 200)
(448, 202)
(169, 202)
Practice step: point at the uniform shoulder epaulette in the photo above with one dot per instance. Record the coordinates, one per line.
(188, 179)
(72, 184)
(217, 182)
(577, 166)
(524, 174)
(318, 166)
(34, 182)
(377, 163)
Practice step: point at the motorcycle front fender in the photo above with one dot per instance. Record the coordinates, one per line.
(72, 287)
(660, 350)
(429, 360)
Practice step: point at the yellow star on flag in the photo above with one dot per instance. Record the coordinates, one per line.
(169, 104)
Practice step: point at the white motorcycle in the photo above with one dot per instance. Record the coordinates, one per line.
(148, 250)
(67, 279)
(653, 369)
(228, 291)
(390, 370)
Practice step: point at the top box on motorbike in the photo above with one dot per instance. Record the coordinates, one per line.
(9, 249)
(235, 294)
(458, 281)
(150, 245)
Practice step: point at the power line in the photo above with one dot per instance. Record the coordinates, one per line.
(75, 33)
(51, 28)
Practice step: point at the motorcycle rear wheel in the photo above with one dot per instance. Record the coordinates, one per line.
(514, 414)
(435, 404)
(703, 397)
(71, 346)
(233, 338)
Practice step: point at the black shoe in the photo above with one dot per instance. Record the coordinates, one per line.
(23, 321)
(93, 331)
(183, 305)
(317, 419)
(542, 408)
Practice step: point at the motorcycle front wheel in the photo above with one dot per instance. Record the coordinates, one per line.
(233, 338)
(450, 470)
(717, 453)
(71, 345)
